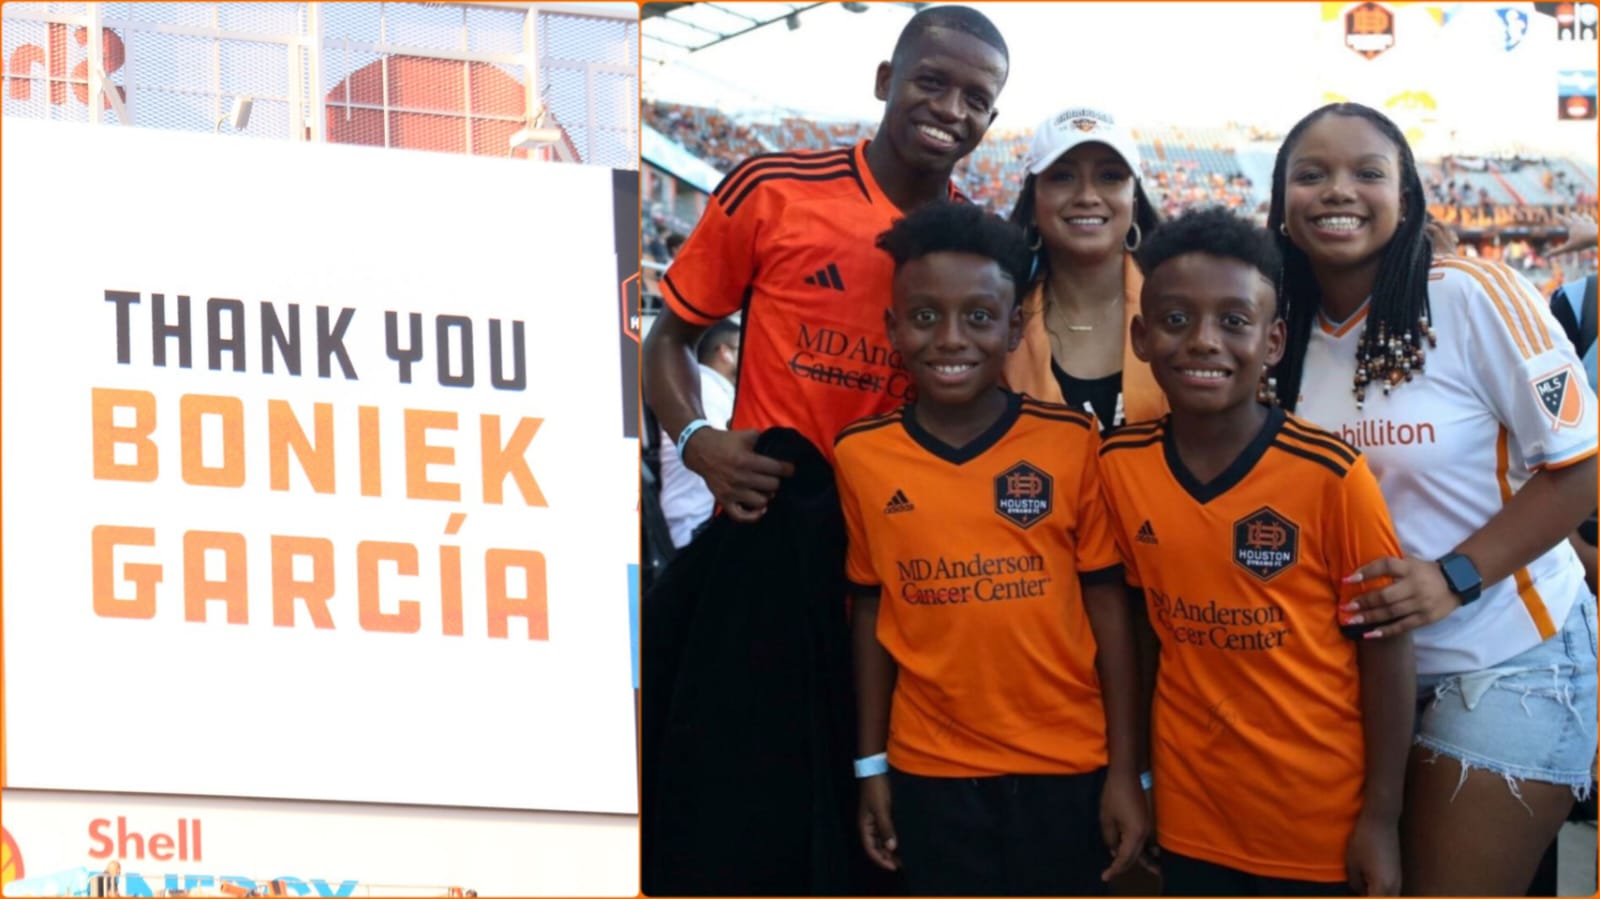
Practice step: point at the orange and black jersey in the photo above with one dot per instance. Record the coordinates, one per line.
(1257, 733)
(790, 239)
(980, 553)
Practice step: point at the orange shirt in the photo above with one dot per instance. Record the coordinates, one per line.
(790, 239)
(1257, 739)
(979, 552)
(1028, 366)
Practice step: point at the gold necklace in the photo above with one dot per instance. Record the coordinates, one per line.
(1050, 295)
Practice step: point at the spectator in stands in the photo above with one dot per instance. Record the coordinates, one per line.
(1574, 306)
(656, 231)
(1085, 210)
(791, 240)
(1487, 462)
(685, 500)
(1442, 239)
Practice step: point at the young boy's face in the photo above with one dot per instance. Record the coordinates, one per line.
(1208, 328)
(953, 320)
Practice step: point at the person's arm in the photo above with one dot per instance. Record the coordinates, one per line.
(1586, 555)
(1124, 815)
(1582, 234)
(875, 675)
(710, 277)
(1544, 512)
(1388, 705)
(741, 480)
(1515, 359)
(1148, 646)
(1357, 526)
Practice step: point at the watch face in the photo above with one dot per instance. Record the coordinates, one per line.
(1462, 576)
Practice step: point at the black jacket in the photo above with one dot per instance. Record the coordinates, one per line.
(747, 711)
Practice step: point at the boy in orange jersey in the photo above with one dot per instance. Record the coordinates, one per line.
(985, 577)
(1278, 743)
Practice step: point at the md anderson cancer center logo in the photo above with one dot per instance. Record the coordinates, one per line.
(1023, 494)
(1265, 543)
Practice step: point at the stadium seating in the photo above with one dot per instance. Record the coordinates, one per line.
(1183, 166)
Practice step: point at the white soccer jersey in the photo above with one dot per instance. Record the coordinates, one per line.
(1502, 396)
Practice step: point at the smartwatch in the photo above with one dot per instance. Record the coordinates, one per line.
(1462, 576)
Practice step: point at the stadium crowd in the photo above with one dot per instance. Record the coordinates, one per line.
(1501, 209)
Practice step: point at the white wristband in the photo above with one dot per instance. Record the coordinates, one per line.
(688, 431)
(872, 766)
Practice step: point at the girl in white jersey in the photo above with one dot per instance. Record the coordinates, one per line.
(1470, 404)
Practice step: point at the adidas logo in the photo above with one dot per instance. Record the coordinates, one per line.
(827, 277)
(898, 503)
(1146, 534)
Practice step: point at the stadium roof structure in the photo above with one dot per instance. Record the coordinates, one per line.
(672, 30)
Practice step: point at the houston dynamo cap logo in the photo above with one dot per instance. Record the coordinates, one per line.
(1084, 119)
(1560, 401)
(1023, 494)
(1265, 543)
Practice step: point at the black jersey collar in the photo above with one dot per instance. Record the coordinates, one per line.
(1230, 476)
(957, 455)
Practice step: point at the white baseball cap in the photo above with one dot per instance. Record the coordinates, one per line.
(1080, 125)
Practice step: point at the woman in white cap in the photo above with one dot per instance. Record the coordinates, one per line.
(1085, 210)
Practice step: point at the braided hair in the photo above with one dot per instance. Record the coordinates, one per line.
(1390, 351)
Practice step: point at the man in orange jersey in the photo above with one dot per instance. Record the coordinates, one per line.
(995, 676)
(746, 717)
(1278, 744)
(788, 239)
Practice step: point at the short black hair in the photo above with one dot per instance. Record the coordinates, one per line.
(956, 18)
(1214, 231)
(946, 227)
(723, 332)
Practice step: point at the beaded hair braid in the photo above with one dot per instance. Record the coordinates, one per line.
(1390, 351)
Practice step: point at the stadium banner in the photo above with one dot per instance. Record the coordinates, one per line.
(59, 841)
(1575, 90)
(1574, 21)
(313, 484)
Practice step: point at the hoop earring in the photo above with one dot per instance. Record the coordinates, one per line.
(1283, 228)
(1138, 237)
(1038, 242)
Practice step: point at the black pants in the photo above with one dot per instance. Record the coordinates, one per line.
(1013, 835)
(1185, 876)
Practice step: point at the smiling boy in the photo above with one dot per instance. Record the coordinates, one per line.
(1278, 744)
(985, 578)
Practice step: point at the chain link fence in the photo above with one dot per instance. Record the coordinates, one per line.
(447, 77)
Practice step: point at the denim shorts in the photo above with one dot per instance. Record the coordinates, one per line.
(1531, 717)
